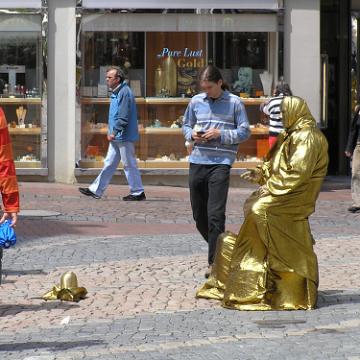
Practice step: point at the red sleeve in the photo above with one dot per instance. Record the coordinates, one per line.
(8, 182)
(11, 202)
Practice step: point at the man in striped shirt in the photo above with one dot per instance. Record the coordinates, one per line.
(216, 122)
(272, 109)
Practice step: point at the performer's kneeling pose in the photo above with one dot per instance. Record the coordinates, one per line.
(271, 264)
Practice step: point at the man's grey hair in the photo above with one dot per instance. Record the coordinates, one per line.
(119, 72)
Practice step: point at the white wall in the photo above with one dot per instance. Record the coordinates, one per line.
(61, 90)
(302, 51)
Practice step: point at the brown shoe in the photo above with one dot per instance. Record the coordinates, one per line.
(208, 271)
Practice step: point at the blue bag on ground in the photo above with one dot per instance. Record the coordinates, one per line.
(7, 235)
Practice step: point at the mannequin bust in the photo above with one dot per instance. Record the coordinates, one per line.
(244, 81)
(266, 81)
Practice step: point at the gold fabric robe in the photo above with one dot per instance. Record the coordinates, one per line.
(271, 264)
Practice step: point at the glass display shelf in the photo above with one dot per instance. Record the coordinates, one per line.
(162, 100)
(19, 100)
(24, 118)
(161, 143)
(25, 131)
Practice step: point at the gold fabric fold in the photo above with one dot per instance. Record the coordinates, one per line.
(271, 264)
(215, 286)
(71, 294)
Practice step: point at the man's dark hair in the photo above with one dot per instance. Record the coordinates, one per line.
(213, 74)
(282, 88)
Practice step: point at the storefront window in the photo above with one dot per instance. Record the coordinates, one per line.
(162, 55)
(21, 87)
(102, 49)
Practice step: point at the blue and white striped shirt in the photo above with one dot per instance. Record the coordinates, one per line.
(226, 113)
(272, 109)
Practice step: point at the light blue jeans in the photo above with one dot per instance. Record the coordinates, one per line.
(124, 151)
(355, 176)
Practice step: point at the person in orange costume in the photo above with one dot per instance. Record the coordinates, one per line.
(8, 182)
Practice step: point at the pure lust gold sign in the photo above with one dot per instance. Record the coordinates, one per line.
(185, 58)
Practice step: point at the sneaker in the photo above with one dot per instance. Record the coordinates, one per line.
(131, 197)
(87, 192)
(354, 209)
(208, 271)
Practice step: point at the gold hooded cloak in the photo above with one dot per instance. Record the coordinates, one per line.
(271, 264)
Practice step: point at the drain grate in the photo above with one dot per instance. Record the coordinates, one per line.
(277, 323)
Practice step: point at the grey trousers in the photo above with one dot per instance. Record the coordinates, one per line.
(355, 176)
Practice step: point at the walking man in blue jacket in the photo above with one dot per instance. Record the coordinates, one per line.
(122, 133)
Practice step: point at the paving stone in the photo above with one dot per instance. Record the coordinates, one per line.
(142, 262)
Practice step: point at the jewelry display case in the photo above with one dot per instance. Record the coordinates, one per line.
(162, 143)
(162, 64)
(25, 127)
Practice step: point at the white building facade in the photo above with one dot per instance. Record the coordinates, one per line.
(55, 54)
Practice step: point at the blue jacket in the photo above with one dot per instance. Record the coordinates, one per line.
(123, 121)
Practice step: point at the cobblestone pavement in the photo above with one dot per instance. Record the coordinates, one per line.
(142, 262)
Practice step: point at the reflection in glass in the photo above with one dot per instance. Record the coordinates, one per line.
(19, 68)
(21, 86)
(102, 49)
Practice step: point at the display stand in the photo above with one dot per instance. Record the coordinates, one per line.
(266, 81)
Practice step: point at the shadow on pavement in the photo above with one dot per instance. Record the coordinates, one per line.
(11, 310)
(337, 297)
(332, 183)
(5, 272)
(8, 272)
(52, 345)
(148, 199)
(37, 229)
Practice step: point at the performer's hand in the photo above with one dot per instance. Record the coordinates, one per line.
(348, 154)
(253, 175)
(12, 215)
(111, 137)
(263, 190)
(247, 175)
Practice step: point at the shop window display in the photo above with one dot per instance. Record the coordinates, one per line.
(20, 88)
(162, 70)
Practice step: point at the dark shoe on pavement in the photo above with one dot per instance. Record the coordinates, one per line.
(208, 271)
(131, 197)
(354, 209)
(87, 192)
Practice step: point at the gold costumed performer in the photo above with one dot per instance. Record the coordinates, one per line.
(271, 264)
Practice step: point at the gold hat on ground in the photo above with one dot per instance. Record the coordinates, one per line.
(68, 289)
(68, 280)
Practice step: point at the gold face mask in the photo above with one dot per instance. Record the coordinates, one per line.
(295, 112)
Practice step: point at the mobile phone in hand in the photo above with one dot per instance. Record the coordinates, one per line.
(200, 133)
